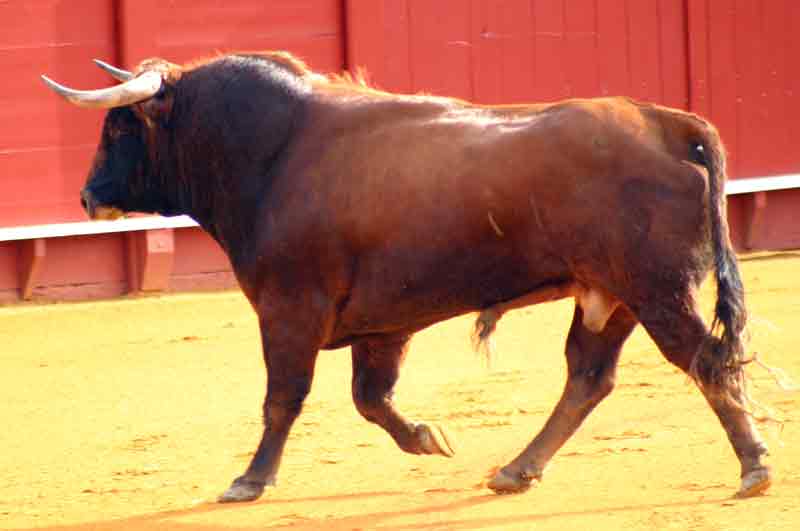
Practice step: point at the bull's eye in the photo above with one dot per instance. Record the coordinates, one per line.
(698, 154)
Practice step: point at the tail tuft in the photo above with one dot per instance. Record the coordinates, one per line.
(485, 325)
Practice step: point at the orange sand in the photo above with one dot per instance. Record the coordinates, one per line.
(134, 414)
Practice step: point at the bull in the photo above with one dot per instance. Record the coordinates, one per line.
(356, 217)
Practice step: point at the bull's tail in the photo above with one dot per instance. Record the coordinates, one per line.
(720, 362)
(485, 325)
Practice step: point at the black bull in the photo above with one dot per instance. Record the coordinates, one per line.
(352, 216)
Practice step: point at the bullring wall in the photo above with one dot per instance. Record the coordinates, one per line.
(731, 61)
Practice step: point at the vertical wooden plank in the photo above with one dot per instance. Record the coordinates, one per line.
(581, 47)
(612, 39)
(792, 107)
(503, 51)
(644, 43)
(777, 155)
(723, 71)
(486, 36)
(397, 56)
(518, 53)
(698, 53)
(196, 252)
(551, 61)
(755, 213)
(674, 54)
(9, 270)
(365, 41)
(138, 28)
(441, 47)
(747, 77)
(150, 257)
(32, 254)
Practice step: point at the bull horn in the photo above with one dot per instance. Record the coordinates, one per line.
(117, 73)
(138, 89)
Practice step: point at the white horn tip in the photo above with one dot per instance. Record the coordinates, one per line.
(49, 82)
(117, 73)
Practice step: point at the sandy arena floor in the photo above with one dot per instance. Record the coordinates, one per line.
(134, 414)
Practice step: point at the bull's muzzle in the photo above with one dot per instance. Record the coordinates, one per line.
(96, 210)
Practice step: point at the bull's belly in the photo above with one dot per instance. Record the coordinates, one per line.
(388, 304)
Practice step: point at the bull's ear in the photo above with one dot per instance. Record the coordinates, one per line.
(158, 109)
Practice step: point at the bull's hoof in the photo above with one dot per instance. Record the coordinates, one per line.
(433, 440)
(755, 482)
(242, 491)
(507, 483)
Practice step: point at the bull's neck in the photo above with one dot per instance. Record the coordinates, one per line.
(229, 171)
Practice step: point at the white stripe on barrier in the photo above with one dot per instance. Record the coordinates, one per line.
(85, 228)
(762, 184)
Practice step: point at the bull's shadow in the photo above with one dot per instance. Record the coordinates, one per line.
(441, 513)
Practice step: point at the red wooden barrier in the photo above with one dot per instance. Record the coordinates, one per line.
(45, 145)
(729, 60)
(184, 30)
(518, 50)
(744, 77)
(733, 61)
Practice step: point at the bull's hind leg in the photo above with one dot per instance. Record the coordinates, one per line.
(591, 368)
(680, 333)
(376, 367)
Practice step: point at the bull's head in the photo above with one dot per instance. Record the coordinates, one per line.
(124, 176)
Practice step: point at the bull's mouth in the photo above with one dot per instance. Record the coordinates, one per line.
(106, 213)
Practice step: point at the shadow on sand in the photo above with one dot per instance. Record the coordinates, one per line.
(436, 509)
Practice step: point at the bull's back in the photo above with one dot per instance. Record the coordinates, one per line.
(455, 165)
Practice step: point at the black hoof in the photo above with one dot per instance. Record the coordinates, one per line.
(507, 483)
(755, 483)
(434, 440)
(242, 490)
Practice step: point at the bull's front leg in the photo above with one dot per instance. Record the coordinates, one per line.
(290, 355)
